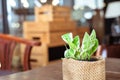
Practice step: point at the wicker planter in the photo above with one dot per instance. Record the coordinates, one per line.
(83, 70)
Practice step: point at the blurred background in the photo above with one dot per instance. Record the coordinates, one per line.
(85, 12)
(101, 15)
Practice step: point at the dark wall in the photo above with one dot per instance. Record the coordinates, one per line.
(108, 22)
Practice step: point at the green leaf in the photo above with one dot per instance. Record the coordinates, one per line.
(89, 46)
(68, 37)
(69, 53)
(93, 34)
(77, 54)
(72, 45)
(76, 42)
(85, 42)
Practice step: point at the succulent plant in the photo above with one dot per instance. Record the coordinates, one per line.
(83, 52)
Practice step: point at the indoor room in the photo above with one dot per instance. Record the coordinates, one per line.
(59, 39)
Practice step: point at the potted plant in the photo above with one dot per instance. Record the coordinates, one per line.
(79, 64)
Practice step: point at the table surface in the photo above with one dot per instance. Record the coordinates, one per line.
(54, 72)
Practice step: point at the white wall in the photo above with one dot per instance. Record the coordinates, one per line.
(68, 3)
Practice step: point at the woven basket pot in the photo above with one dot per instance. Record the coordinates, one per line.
(83, 70)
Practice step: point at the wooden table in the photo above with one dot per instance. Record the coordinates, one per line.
(54, 72)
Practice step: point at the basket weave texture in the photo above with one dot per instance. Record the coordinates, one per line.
(83, 70)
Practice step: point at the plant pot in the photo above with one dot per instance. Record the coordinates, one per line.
(83, 70)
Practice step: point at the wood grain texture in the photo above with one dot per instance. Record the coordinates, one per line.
(54, 72)
(52, 13)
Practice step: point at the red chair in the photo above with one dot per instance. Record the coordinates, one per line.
(7, 46)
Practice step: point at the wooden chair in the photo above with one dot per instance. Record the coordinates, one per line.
(112, 50)
(7, 46)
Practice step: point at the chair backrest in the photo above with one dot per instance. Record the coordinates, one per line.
(7, 46)
(112, 50)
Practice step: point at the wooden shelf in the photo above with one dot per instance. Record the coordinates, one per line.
(24, 11)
